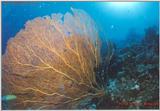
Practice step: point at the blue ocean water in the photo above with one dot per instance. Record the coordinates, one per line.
(130, 68)
(114, 19)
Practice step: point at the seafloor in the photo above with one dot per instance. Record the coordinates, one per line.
(133, 75)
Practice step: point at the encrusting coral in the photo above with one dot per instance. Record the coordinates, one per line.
(50, 64)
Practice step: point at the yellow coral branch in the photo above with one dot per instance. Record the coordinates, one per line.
(48, 94)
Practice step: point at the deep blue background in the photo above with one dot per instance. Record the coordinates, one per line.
(111, 20)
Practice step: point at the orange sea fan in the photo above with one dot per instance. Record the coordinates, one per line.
(50, 64)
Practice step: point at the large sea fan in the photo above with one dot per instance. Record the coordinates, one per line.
(50, 64)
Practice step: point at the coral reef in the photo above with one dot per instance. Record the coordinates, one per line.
(60, 62)
(135, 84)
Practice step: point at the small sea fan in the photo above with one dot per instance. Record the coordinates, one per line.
(51, 63)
